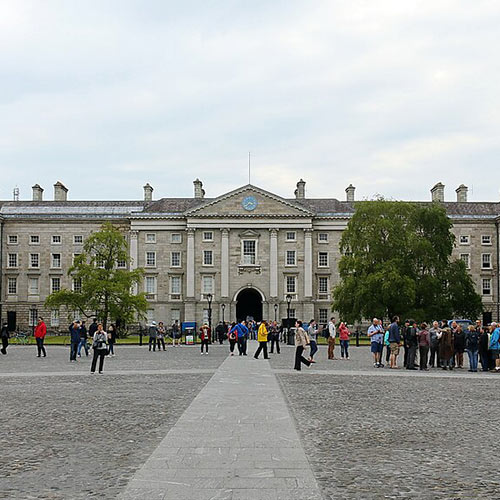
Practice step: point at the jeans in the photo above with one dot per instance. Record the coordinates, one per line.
(275, 340)
(424, 352)
(73, 351)
(98, 353)
(204, 343)
(484, 360)
(152, 342)
(447, 363)
(161, 342)
(242, 345)
(262, 347)
(299, 358)
(83, 343)
(40, 347)
(314, 349)
(344, 348)
(434, 355)
(412, 351)
(111, 347)
(472, 360)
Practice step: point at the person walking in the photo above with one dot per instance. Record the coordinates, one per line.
(434, 344)
(176, 334)
(344, 334)
(5, 338)
(153, 333)
(312, 333)
(300, 345)
(376, 334)
(274, 334)
(332, 333)
(220, 331)
(472, 346)
(446, 348)
(394, 342)
(40, 332)
(205, 336)
(233, 338)
(74, 332)
(424, 342)
(495, 345)
(111, 339)
(262, 339)
(100, 348)
(242, 330)
(161, 336)
(459, 346)
(83, 340)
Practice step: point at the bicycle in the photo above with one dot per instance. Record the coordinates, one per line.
(20, 338)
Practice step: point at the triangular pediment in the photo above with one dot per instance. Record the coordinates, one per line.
(248, 201)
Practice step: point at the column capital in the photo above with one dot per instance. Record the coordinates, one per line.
(225, 231)
(190, 231)
(134, 234)
(274, 231)
(308, 232)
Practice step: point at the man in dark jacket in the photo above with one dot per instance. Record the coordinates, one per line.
(5, 338)
(93, 328)
(220, 330)
(394, 340)
(412, 343)
(74, 332)
(83, 340)
(404, 330)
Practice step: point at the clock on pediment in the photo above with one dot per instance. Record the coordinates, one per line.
(249, 203)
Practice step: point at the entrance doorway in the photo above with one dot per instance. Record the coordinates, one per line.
(249, 303)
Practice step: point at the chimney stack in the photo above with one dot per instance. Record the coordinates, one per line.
(60, 192)
(438, 192)
(349, 191)
(300, 192)
(462, 193)
(148, 192)
(199, 192)
(37, 192)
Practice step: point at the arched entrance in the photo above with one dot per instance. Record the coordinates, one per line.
(249, 303)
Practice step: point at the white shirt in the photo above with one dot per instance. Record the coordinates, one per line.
(332, 329)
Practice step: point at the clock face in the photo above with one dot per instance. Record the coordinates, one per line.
(249, 203)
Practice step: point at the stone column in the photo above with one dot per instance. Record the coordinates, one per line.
(224, 272)
(308, 268)
(134, 254)
(273, 288)
(190, 264)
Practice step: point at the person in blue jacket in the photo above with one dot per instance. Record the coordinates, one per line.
(495, 345)
(242, 330)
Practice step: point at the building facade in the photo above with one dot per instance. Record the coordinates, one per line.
(244, 251)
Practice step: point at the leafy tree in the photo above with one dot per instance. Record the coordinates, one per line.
(396, 260)
(104, 291)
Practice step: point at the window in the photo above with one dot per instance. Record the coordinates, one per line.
(34, 260)
(292, 313)
(291, 284)
(208, 258)
(77, 239)
(55, 284)
(486, 261)
(323, 287)
(466, 258)
(33, 316)
(54, 317)
(56, 239)
(56, 260)
(249, 252)
(75, 255)
(175, 315)
(323, 237)
(175, 238)
(208, 236)
(486, 239)
(464, 240)
(150, 316)
(99, 262)
(121, 263)
(34, 239)
(207, 284)
(12, 286)
(150, 285)
(12, 260)
(205, 316)
(291, 258)
(175, 259)
(323, 259)
(150, 237)
(12, 239)
(33, 286)
(291, 236)
(486, 286)
(150, 259)
(77, 285)
(175, 285)
(323, 316)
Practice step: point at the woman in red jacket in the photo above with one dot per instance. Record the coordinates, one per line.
(40, 332)
(205, 336)
(344, 340)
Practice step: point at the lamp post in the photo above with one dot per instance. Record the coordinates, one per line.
(209, 300)
(276, 312)
(223, 307)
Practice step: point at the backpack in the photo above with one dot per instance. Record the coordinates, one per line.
(473, 341)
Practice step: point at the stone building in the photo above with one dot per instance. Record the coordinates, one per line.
(246, 251)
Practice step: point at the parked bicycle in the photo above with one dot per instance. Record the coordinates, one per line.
(20, 338)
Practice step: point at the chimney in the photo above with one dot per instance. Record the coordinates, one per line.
(349, 191)
(60, 192)
(462, 193)
(300, 192)
(199, 192)
(438, 192)
(37, 193)
(148, 192)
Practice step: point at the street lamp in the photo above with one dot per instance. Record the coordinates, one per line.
(223, 307)
(276, 312)
(209, 300)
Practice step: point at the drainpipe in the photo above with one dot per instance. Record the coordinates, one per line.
(498, 269)
(1, 268)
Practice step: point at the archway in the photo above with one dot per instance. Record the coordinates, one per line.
(249, 303)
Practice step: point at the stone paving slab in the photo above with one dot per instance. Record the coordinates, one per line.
(236, 441)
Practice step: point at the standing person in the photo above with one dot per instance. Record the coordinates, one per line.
(484, 341)
(153, 333)
(233, 338)
(394, 341)
(376, 334)
(411, 342)
(472, 346)
(387, 347)
(93, 328)
(40, 332)
(161, 336)
(344, 340)
(100, 348)
(434, 344)
(446, 348)
(242, 330)
(74, 332)
(83, 340)
(112, 339)
(424, 342)
(312, 332)
(205, 336)
(262, 339)
(332, 333)
(404, 337)
(220, 330)
(175, 334)
(5, 338)
(459, 346)
(274, 332)
(495, 345)
(300, 345)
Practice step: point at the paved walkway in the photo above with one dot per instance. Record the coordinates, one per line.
(236, 441)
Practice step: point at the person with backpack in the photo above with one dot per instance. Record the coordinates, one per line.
(100, 348)
(205, 337)
(300, 344)
(242, 332)
(233, 338)
(176, 334)
(472, 347)
(153, 333)
(424, 342)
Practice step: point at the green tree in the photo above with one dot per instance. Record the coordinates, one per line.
(397, 260)
(104, 290)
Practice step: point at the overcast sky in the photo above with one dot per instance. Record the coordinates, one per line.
(389, 95)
